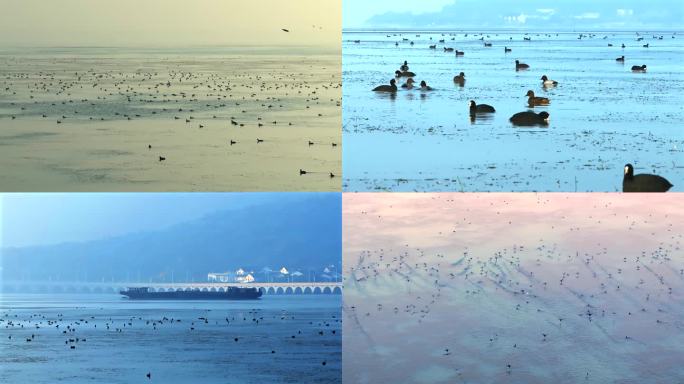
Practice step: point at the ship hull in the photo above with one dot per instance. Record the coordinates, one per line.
(247, 294)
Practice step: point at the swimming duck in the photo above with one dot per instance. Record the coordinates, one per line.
(639, 68)
(424, 86)
(547, 82)
(404, 74)
(448, 49)
(387, 88)
(459, 53)
(535, 100)
(460, 78)
(480, 108)
(506, 50)
(529, 118)
(621, 59)
(404, 67)
(408, 84)
(643, 182)
(519, 65)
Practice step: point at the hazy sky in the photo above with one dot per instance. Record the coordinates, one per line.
(169, 22)
(39, 219)
(560, 14)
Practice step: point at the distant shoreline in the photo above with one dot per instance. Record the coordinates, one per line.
(241, 49)
(501, 30)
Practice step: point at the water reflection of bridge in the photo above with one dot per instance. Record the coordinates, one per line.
(303, 288)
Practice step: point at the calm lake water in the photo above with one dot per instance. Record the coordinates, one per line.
(602, 115)
(100, 119)
(280, 340)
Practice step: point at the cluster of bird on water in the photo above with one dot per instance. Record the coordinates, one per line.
(522, 119)
(47, 327)
(631, 182)
(151, 94)
(562, 292)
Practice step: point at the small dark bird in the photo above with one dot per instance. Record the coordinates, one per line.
(149, 146)
(233, 142)
(529, 118)
(535, 100)
(404, 74)
(506, 50)
(161, 158)
(643, 182)
(149, 375)
(387, 88)
(285, 30)
(519, 65)
(311, 143)
(639, 68)
(480, 108)
(302, 172)
(621, 59)
(332, 175)
(460, 79)
(546, 82)
(424, 86)
(259, 141)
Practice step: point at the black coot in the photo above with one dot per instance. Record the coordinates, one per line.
(643, 182)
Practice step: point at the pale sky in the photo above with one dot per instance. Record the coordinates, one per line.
(551, 15)
(169, 22)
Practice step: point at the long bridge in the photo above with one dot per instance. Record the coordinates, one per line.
(293, 288)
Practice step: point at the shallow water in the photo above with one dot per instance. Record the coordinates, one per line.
(572, 289)
(81, 119)
(602, 115)
(172, 353)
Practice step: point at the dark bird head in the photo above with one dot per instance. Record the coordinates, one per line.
(393, 82)
(423, 83)
(544, 115)
(530, 93)
(472, 103)
(397, 73)
(544, 78)
(629, 171)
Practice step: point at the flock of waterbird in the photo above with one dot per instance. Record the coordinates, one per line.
(591, 293)
(81, 332)
(529, 118)
(202, 98)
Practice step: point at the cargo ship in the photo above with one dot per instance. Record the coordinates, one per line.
(231, 293)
